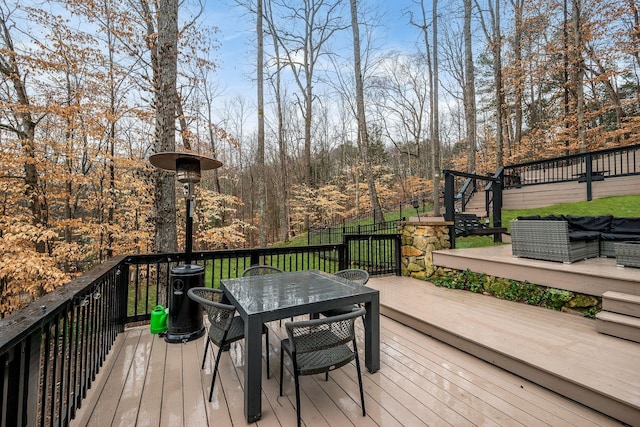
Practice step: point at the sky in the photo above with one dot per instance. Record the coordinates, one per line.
(236, 56)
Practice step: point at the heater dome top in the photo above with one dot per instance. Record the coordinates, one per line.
(169, 160)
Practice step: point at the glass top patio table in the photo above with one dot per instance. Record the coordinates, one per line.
(261, 299)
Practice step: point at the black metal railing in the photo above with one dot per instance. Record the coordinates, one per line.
(490, 189)
(379, 254)
(149, 274)
(469, 187)
(584, 167)
(51, 351)
(334, 235)
(495, 186)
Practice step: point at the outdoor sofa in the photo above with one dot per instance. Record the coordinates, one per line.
(571, 238)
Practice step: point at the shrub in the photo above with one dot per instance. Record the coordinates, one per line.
(513, 290)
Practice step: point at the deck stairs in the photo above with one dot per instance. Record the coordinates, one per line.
(559, 351)
(476, 205)
(620, 316)
(574, 369)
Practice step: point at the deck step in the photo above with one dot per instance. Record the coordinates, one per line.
(618, 302)
(618, 325)
(620, 316)
(476, 324)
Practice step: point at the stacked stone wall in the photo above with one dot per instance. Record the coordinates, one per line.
(419, 240)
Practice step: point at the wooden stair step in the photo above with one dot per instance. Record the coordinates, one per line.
(618, 302)
(484, 326)
(618, 325)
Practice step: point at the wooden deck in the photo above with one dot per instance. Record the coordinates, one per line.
(422, 380)
(562, 352)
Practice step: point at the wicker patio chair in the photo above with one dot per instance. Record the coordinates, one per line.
(225, 327)
(356, 275)
(319, 346)
(260, 270)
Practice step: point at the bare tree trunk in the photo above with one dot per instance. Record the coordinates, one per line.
(308, 111)
(496, 48)
(494, 39)
(184, 127)
(432, 65)
(469, 90)
(436, 120)
(284, 167)
(112, 143)
(112, 183)
(212, 135)
(565, 74)
(25, 129)
(165, 74)
(578, 65)
(282, 145)
(424, 27)
(262, 196)
(363, 136)
(518, 89)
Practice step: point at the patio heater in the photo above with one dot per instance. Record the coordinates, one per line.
(185, 315)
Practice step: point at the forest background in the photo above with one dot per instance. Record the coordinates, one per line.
(347, 126)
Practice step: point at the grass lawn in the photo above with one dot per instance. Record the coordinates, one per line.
(620, 206)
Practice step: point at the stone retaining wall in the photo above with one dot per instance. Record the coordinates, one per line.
(419, 240)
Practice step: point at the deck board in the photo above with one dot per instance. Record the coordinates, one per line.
(195, 412)
(560, 351)
(129, 404)
(422, 381)
(487, 383)
(151, 393)
(108, 386)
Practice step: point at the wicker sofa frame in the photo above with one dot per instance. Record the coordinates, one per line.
(571, 238)
(628, 254)
(608, 248)
(549, 240)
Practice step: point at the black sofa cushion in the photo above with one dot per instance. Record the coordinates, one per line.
(625, 226)
(543, 218)
(529, 217)
(576, 235)
(554, 218)
(620, 237)
(590, 223)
